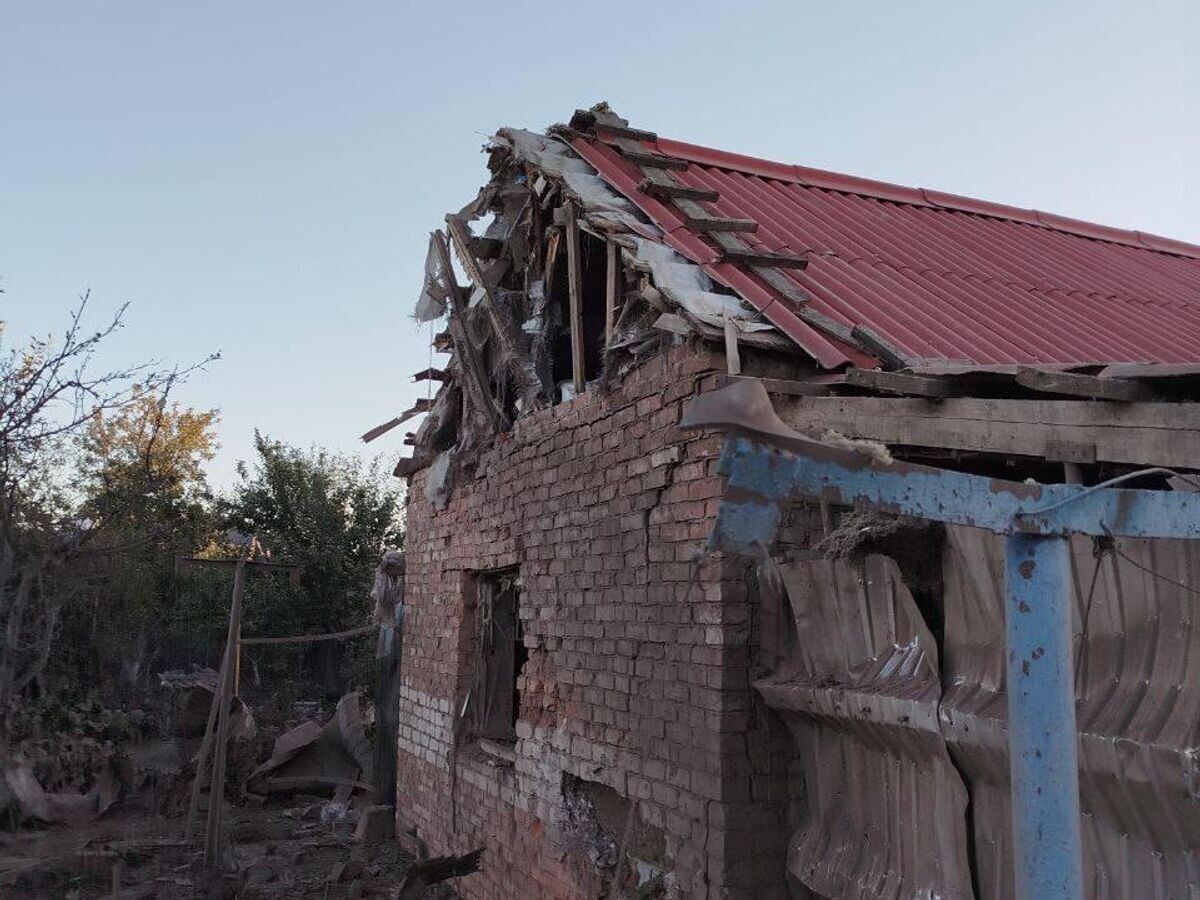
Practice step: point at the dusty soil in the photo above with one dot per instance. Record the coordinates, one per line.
(280, 849)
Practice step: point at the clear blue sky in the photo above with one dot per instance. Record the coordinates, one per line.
(258, 177)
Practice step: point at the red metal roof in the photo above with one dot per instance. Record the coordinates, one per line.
(940, 277)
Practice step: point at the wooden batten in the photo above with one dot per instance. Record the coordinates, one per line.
(752, 258)
(612, 129)
(718, 223)
(652, 160)
(674, 191)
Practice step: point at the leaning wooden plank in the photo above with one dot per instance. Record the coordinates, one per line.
(612, 288)
(575, 289)
(899, 383)
(719, 223)
(476, 383)
(753, 258)
(652, 160)
(675, 191)
(214, 835)
(1165, 434)
(504, 329)
(733, 359)
(1072, 384)
(880, 347)
(424, 404)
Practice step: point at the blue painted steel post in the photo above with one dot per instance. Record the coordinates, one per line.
(1042, 737)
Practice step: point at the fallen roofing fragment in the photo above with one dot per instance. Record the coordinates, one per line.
(61, 808)
(315, 757)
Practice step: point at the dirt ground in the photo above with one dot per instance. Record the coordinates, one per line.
(284, 848)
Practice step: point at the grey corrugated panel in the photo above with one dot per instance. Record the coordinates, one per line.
(885, 807)
(892, 742)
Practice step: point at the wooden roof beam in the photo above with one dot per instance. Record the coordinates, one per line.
(1073, 384)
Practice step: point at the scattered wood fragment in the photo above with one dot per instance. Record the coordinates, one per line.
(442, 868)
(431, 374)
(422, 405)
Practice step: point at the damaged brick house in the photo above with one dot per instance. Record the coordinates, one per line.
(606, 708)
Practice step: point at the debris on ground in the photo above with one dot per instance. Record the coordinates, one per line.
(315, 757)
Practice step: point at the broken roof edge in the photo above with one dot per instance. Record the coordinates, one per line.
(895, 193)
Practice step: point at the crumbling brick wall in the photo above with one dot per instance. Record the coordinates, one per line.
(637, 678)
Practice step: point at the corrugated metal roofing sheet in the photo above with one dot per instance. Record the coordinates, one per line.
(936, 275)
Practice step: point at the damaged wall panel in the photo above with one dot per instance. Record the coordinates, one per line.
(894, 741)
(1138, 707)
(885, 806)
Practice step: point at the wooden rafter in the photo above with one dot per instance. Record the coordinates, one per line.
(575, 289)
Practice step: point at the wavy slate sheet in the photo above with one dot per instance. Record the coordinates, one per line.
(885, 811)
(1138, 690)
(892, 745)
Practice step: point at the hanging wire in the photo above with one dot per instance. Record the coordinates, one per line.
(1100, 549)
(1128, 476)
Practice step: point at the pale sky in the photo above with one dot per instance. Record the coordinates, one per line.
(258, 177)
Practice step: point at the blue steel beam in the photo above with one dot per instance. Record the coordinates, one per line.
(765, 463)
(1042, 733)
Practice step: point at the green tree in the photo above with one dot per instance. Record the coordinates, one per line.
(332, 515)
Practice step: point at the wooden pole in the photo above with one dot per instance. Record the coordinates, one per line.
(733, 359)
(210, 732)
(612, 289)
(575, 284)
(214, 832)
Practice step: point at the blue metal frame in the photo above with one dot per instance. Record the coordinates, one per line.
(765, 464)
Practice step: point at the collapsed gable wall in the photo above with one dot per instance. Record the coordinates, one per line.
(632, 682)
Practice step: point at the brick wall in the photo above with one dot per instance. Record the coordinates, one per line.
(639, 665)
